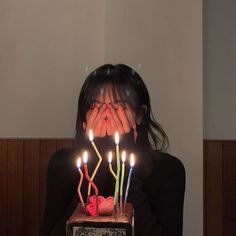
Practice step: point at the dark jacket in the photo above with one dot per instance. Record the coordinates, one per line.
(156, 189)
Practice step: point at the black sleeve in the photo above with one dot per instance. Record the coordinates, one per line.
(61, 198)
(158, 201)
(170, 200)
(167, 195)
(145, 222)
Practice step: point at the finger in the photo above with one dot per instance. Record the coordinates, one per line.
(97, 128)
(109, 129)
(124, 120)
(103, 129)
(134, 126)
(97, 119)
(117, 121)
(114, 127)
(91, 119)
(113, 123)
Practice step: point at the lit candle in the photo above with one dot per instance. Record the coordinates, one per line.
(112, 172)
(110, 166)
(85, 160)
(99, 156)
(123, 158)
(80, 181)
(130, 174)
(118, 166)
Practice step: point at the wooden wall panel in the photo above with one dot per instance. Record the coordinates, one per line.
(23, 172)
(229, 188)
(213, 189)
(3, 187)
(15, 187)
(204, 186)
(31, 188)
(64, 143)
(219, 188)
(47, 149)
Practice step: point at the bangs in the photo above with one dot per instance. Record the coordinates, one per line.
(117, 92)
(121, 84)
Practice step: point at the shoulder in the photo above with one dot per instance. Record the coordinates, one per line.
(166, 166)
(167, 161)
(168, 174)
(63, 156)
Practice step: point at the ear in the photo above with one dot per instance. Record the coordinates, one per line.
(139, 117)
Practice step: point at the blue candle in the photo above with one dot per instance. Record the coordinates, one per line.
(129, 177)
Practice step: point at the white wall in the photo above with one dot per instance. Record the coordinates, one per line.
(162, 40)
(45, 47)
(220, 69)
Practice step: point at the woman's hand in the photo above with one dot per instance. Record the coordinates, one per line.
(117, 121)
(107, 121)
(96, 120)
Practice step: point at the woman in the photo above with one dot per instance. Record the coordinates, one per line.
(115, 98)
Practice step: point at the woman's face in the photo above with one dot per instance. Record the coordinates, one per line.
(108, 115)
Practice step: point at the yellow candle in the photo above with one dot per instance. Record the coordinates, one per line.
(99, 156)
(118, 166)
(110, 166)
(112, 171)
(123, 157)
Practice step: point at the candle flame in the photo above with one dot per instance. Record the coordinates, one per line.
(79, 162)
(85, 157)
(110, 157)
(132, 160)
(123, 156)
(91, 135)
(116, 137)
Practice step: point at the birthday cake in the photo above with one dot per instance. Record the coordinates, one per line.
(99, 216)
(83, 224)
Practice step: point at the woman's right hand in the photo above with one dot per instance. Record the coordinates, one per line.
(96, 120)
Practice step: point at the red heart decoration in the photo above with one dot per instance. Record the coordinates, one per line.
(105, 205)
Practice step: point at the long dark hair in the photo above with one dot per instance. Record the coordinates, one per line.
(128, 85)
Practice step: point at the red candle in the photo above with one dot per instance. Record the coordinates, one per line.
(85, 160)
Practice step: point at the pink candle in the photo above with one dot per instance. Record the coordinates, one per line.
(80, 182)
